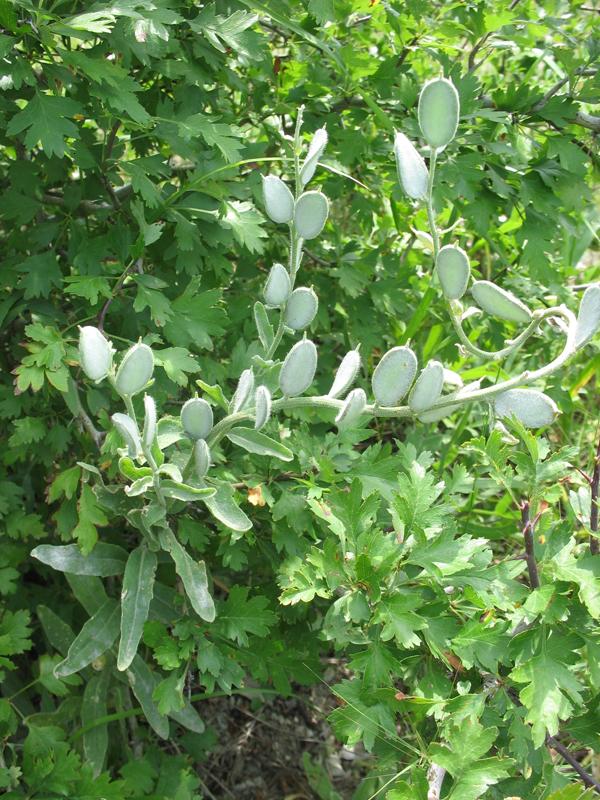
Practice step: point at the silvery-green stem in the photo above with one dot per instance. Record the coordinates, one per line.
(147, 454)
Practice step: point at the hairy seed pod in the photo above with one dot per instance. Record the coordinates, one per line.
(532, 408)
(243, 391)
(393, 376)
(201, 458)
(315, 151)
(135, 370)
(196, 418)
(346, 373)
(278, 286)
(412, 172)
(279, 201)
(499, 303)
(353, 407)
(149, 434)
(310, 214)
(452, 265)
(452, 379)
(95, 353)
(298, 369)
(129, 432)
(301, 308)
(588, 316)
(439, 108)
(262, 404)
(427, 388)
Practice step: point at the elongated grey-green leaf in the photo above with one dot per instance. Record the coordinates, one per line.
(588, 316)
(438, 112)
(256, 442)
(412, 172)
(453, 269)
(143, 682)
(532, 408)
(224, 508)
(394, 375)
(279, 201)
(104, 560)
(192, 574)
(499, 303)
(94, 639)
(94, 707)
(136, 594)
(315, 151)
(346, 374)
(298, 369)
(427, 388)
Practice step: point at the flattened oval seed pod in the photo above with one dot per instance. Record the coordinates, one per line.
(197, 418)
(301, 308)
(452, 378)
(315, 151)
(129, 433)
(439, 108)
(532, 408)
(298, 369)
(262, 404)
(310, 214)
(346, 373)
(135, 370)
(452, 265)
(95, 353)
(427, 388)
(393, 376)
(279, 201)
(353, 407)
(412, 172)
(243, 391)
(201, 458)
(499, 303)
(278, 286)
(149, 434)
(588, 316)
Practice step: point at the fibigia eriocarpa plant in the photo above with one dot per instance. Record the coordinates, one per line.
(167, 461)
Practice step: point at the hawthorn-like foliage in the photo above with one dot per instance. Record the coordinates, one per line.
(449, 568)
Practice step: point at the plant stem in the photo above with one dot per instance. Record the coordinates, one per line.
(527, 527)
(594, 487)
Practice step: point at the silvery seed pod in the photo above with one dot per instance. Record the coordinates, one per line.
(135, 370)
(301, 308)
(532, 408)
(353, 407)
(315, 151)
(149, 433)
(279, 201)
(129, 432)
(310, 214)
(588, 316)
(394, 375)
(453, 269)
(262, 405)
(95, 353)
(298, 369)
(196, 418)
(452, 379)
(278, 286)
(499, 303)
(439, 108)
(201, 458)
(427, 388)
(412, 172)
(243, 391)
(346, 373)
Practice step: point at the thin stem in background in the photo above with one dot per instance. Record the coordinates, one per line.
(527, 526)
(594, 487)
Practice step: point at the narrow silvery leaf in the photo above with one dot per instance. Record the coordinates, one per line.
(224, 508)
(428, 387)
(136, 594)
(95, 353)
(278, 286)
(588, 317)
(94, 639)
(412, 172)
(394, 375)
(104, 560)
(201, 458)
(135, 370)
(192, 574)
(532, 408)
(279, 201)
(94, 707)
(263, 326)
(310, 214)
(129, 433)
(262, 404)
(143, 682)
(301, 308)
(346, 373)
(439, 108)
(139, 486)
(298, 369)
(149, 433)
(197, 418)
(353, 407)
(255, 442)
(182, 491)
(499, 303)
(243, 391)
(315, 151)
(452, 265)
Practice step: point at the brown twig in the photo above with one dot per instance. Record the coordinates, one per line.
(594, 487)
(103, 311)
(527, 526)
(588, 780)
